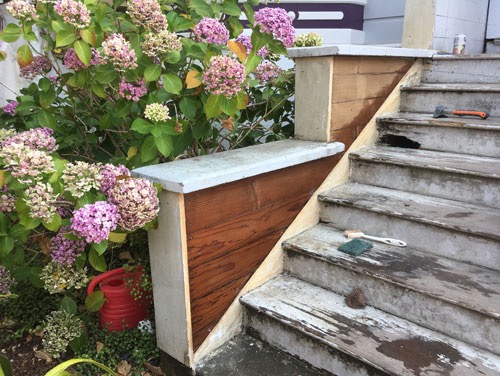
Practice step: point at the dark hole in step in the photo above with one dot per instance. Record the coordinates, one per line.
(399, 141)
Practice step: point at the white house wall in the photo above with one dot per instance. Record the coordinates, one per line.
(383, 21)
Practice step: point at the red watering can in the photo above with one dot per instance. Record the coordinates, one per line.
(120, 311)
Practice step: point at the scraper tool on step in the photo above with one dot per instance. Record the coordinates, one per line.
(442, 111)
(353, 234)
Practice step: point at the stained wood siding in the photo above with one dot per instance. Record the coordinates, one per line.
(232, 228)
(360, 86)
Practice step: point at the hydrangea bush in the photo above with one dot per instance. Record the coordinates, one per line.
(144, 81)
(65, 215)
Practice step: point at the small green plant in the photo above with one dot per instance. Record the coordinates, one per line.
(60, 328)
(308, 40)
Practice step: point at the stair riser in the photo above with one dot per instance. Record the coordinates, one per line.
(300, 345)
(465, 188)
(426, 101)
(466, 325)
(421, 236)
(463, 71)
(467, 141)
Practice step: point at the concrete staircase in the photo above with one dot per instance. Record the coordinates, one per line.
(433, 307)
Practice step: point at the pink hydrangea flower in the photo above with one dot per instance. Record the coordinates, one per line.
(106, 178)
(6, 281)
(132, 91)
(10, 108)
(7, 202)
(22, 10)
(36, 139)
(64, 250)
(224, 76)
(25, 164)
(137, 202)
(94, 222)
(211, 30)
(73, 12)
(276, 21)
(72, 61)
(147, 13)
(267, 72)
(247, 42)
(118, 51)
(41, 200)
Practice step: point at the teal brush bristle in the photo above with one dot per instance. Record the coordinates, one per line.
(355, 247)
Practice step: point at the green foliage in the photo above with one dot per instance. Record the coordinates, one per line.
(92, 121)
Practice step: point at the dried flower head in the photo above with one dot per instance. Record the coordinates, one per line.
(6, 281)
(225, 76)
(40, 65)
(211, 30)
(73, 12)
(72, 61)
(162, 43)
(60, 328)
(276, 21)
(7, 202)
(106, 178)
(148, 14)
(309, 40)
(41, 200)
(136, 201)
(22, 10)
(26, 164)
(118, 51)
(41, 139)
(267, 72)
(79, 177)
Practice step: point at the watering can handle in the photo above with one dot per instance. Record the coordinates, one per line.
(103, 276)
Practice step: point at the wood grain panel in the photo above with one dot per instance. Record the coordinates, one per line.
(346, 65)
(212, 206)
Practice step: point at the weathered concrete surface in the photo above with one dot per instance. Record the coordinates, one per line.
(424, 98)
(461, 231)
(247, 356)
(470, 135)
(413, 285)
(383, 341)
(462, 68)
(465, 178)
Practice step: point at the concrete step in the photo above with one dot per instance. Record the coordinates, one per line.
(452, 229)
(483, 69)
(245, 355)
(470, 135)
(316, 325)
(453, 298)
(425, 97)
(465, 178)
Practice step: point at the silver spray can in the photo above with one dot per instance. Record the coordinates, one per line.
(459, 44)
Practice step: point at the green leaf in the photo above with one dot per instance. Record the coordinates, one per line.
(56, 371)
(97, 261)
(59, 26)
(236, 27)
(11, 33)
(178, 23)
(201, 131)
(172, 57)
(213, 106)
(94, 301)
(100, 247)
(141, 126)
(259, 40)
(68, 305)
(47, 98)
(88, 35)
(19, 233)
(148, 149)
(6, 245)
(228, 106)
(249, 11)
(105, 75)
(253, 61)
(54, 224)
(77, 344)
(152, 72)
(5, 367)
(24, 55)
(189, 106)
(231, 8)
(164, 144)
(46, 119)
(98, 89)
(65, 37)
(201, 8)
(172, 83)
(44, 84)
(83, 51)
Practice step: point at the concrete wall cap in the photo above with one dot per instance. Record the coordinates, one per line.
(358, 50)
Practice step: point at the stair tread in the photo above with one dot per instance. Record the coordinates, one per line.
(451, 87)
(466, 57)
(469, 218)
(435, 160)
(491, 123)
(391, 344)
(473, 287)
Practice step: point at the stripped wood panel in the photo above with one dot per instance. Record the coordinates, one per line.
(233, 227)
(362, 86)
(210, 206)
(345, 65)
